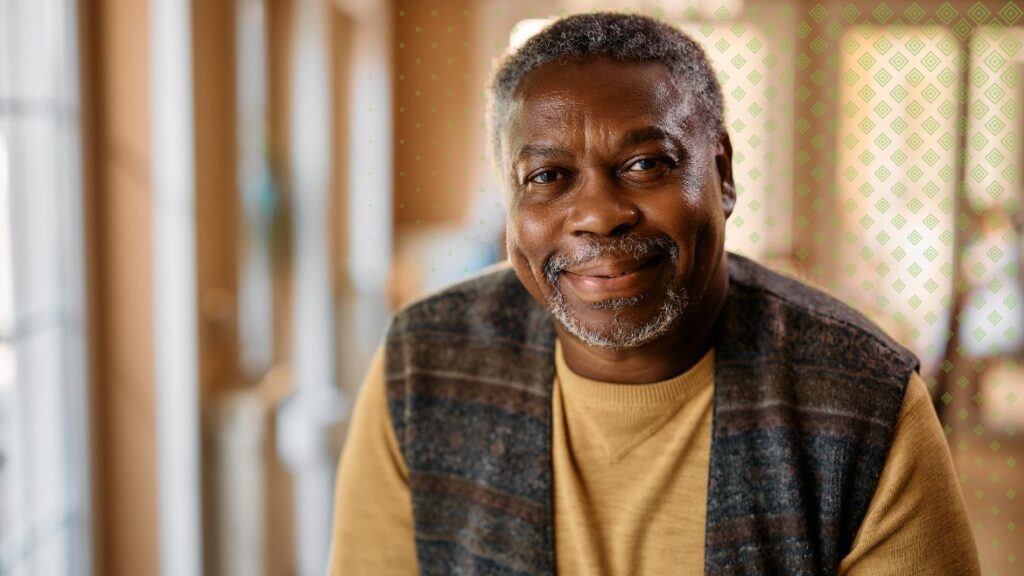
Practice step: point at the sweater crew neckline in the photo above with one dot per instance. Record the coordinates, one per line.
(669, 391)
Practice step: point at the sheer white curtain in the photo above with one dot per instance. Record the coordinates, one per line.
(44, 488)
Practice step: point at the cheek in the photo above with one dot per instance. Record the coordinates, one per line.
(529, 242)
(532, 235)
(709, 239)
(683, 217)
(691, 221)
(511, 236)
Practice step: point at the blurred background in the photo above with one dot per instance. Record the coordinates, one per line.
(209, 209)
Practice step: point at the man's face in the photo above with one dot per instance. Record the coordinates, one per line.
(617, 199)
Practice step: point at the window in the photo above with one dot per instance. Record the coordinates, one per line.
(754, 64)
(44, 488)
(896, 179)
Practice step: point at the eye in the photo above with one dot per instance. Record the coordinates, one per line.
(544, 177)
(648, 170)
(644, 164)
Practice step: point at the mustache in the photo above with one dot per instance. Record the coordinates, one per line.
(632, 245)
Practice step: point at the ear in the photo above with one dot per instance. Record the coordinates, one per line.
(723, 162)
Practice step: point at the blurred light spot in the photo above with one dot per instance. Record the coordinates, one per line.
(6, 273)
(526, 29)
(3, 166)
(7, 371)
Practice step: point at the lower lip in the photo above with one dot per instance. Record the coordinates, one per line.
(598, 288)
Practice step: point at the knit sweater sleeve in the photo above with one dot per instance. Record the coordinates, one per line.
(373, 522)
(916, 522)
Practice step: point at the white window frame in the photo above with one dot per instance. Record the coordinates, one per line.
(45, 488)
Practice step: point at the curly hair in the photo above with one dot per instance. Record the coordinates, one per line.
(625, 37)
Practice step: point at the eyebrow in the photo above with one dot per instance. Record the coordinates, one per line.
(642, 135)
(544, 150)
(627, 140)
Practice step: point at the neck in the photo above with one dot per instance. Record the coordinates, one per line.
(670, 355)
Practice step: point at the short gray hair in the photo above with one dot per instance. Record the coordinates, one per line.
(622, 37)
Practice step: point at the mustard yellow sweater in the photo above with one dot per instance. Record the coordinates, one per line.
(630, 481)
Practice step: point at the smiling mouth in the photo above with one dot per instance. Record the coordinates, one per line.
(615, 269)
(605, 275)
(603, 281)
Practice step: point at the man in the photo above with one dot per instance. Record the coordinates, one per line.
(628, 398)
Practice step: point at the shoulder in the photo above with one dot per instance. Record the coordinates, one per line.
(918, 475)
(808, 317)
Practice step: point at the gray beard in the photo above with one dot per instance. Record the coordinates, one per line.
(623, 334)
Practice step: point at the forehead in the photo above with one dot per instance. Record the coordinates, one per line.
(600, 96)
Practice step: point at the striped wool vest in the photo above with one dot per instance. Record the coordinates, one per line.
(807, 395)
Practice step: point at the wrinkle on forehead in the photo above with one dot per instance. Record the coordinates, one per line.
(560, 98)
(646, 96)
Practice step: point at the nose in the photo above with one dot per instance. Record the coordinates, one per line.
(600, 208)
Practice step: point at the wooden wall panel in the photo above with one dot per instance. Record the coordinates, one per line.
(280, 22)
(217, 193)
(119, 205)
(217, 208)
(280, 553)
(341, 31)
(432, 94)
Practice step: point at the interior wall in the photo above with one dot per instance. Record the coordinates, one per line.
(341, 31)
(280, 23)
(432, 156)
(217, 196)
(280, 552)
(814, 177)
(491, 26)
(217, 207)
(116, 62)
(119, 203)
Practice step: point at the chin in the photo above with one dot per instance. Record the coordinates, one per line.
(622, 323)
